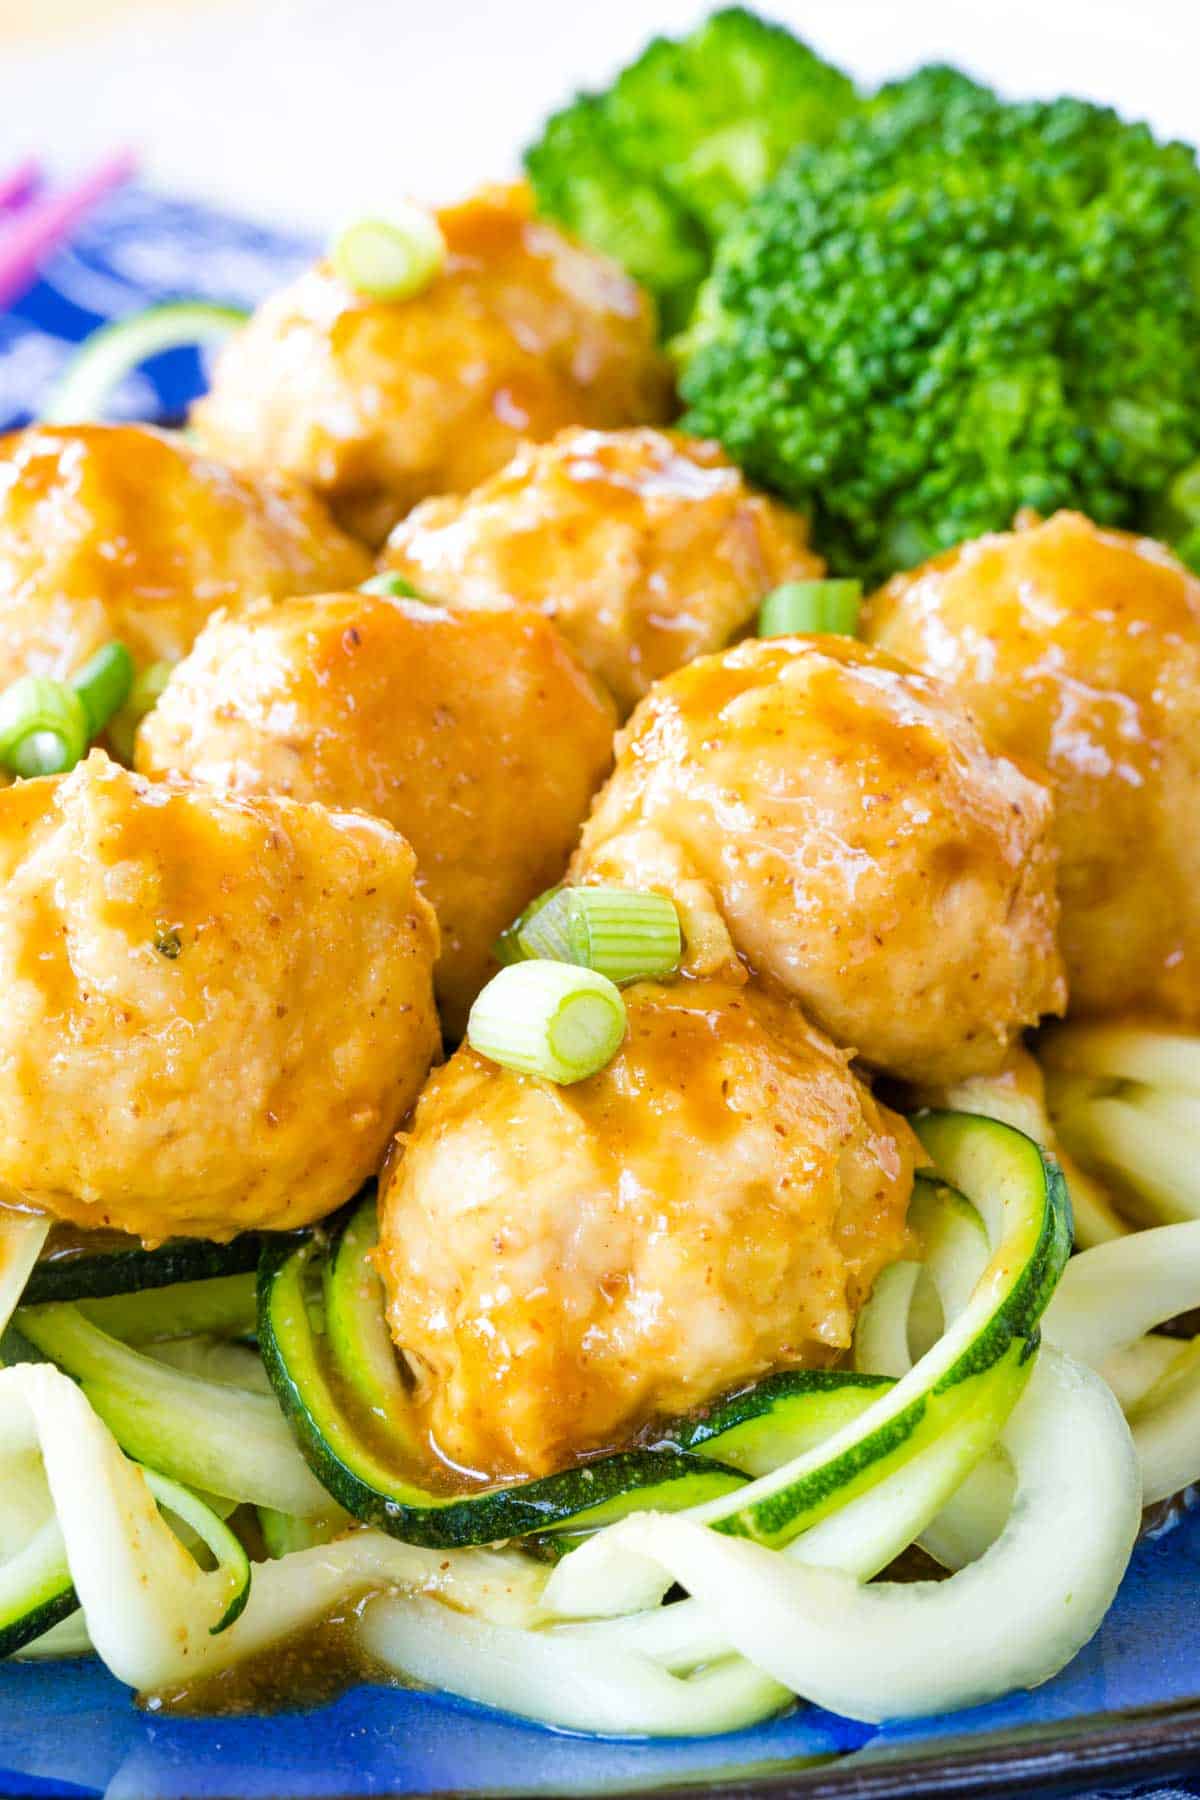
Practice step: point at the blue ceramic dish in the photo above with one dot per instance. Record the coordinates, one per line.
(1129, 1703)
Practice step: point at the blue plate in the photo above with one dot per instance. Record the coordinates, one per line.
(1130, 1702)
(137, 249)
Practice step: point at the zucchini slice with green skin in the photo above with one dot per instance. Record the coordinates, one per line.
(88, 1275)
(779, 1417)
(211, 1436)
(105, 358)
(1022, 1199)
(224, 1306)
(212, 1531)
(813, 1440)
(36, 1591)
(356, 1331)
(343, 1458)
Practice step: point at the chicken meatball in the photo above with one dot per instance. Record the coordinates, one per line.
(117, 531)
(378, 403)
(1080, 648)
(476, 733)
(565, 1265)
(216, 1011)
(864, 846)
(645, 547)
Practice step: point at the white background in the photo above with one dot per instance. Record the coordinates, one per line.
(311, 110)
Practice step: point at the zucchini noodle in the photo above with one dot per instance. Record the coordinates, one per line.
(1125, 1103)
(1014, 1617)
(1104, 1313)
(1009, 1461)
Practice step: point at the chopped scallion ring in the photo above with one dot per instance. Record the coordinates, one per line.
(390, 259)
(104, 684)
(810, 608)
(143, 697)
(393, 586)
(508, 947)
(104, 360)
(550, 1019)
(43, 726)
(626, 936)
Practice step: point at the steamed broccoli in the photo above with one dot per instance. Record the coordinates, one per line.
(959, 308)
(652, 170)
(578, 180)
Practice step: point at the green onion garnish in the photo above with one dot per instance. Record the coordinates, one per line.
(143, 697)
(626, 936)
(811, 608)
(390, 259)
(550, 1019)
(43, 726)
(104, 684)
(508, 947)
(46, 725)
(393, 586)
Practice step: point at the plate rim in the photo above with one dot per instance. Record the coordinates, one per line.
(1149, 1741)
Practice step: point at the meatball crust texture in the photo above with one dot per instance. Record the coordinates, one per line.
(216, 1011)
(119, 531)
(863, 845)
(1080, 648)
(475, 733)
(566, 1265)
(645, 547)
(378, 403)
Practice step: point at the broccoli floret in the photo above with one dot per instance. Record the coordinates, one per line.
(931, 91)
(652, 170)
(714, 115)
(579, 180)
(959, 308)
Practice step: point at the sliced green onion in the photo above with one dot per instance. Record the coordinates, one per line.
(390, 259)
(508, 947)
(811, 608)
(43, 726)
(104, 360)
(624, 935)
(104, 684)
(394, 586)
(550, 1019)
(545, 935)
(143, 697)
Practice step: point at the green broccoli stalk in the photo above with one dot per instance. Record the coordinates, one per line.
(959, 308)
(652, 170)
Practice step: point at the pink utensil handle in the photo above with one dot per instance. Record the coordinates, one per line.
(19, 185)
(43, 226)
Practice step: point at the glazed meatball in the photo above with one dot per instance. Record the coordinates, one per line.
(378, 403)
(645, 547)
(476, 733)
(864, 846)
(216, 1011)
(118, 531)
(565, 1265)
(1080, 648)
